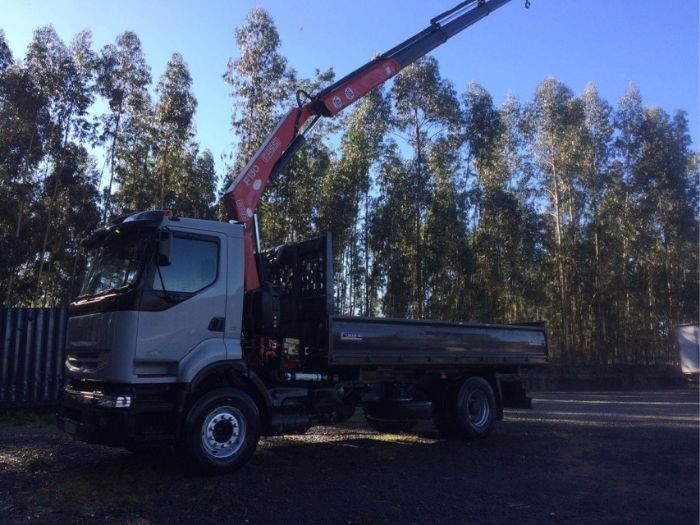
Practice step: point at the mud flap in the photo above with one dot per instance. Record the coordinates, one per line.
(513, 393)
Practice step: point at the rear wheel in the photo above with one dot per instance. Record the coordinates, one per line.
(467, 412)
(222, 431)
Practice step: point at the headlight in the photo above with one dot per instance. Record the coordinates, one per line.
(108, 401)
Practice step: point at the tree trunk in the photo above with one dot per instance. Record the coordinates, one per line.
(111, 164)
(49, 214)
(418, 197)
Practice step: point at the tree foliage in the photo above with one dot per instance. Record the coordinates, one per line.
(259, 81)
(122, 79)
(441, 204)
(49, 182)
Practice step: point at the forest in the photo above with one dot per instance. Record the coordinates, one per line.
(563, 207)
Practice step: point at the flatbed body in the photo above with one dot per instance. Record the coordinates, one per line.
(303, 276)
(361, 341)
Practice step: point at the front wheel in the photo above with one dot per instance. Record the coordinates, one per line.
(222, 431)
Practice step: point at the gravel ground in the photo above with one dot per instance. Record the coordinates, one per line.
(575, 458)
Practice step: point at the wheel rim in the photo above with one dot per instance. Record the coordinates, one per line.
(478, 408)
(223, 432)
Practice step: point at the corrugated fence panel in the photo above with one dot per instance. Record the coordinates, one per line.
(31, 356)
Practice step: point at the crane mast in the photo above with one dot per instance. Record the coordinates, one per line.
(243, 195)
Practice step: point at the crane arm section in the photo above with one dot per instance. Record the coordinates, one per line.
(243, 195)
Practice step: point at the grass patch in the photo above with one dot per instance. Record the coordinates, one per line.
(37, 463)
(357, 417)
(23, 418)
(398, 438)
(106, 491)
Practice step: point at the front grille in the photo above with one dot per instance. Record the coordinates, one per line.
(89, 362)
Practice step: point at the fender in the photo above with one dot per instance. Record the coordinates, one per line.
(249, 379)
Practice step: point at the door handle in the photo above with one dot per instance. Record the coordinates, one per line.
(217, 324)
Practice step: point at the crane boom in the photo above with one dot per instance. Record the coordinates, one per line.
(243, 195)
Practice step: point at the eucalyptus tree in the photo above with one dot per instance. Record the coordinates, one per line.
(556, 123)
(426, 108)
(174, 128)
(679, 211)
(597, 167)
(64, 76)
(260, 86)
(515, 189)
(662, 259)
(135, 159)
(259, 82)
(25, 125)
(620, 225)
(360, 147)
(482, 132)
(196, 189)
(6, 59)
(122, 73)
(504, 229)
(448, 257)
(391, 235)
(346, 199)
(77, 198)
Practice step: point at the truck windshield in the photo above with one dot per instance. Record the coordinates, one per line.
(115, 263)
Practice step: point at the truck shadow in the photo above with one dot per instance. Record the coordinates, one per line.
(365, 475)
(92, 482)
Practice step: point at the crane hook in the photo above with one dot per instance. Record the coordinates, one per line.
(527, 4)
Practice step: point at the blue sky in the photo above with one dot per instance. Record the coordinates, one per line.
(611, 43)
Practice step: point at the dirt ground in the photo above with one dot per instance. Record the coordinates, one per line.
(575, 458)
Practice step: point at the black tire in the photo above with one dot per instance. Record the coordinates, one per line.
(467, 412)
(476, 409)
(222, 431)
(390, 426)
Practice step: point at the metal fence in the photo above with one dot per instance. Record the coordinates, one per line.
(31, 356)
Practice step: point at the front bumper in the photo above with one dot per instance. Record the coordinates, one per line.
(119, 415)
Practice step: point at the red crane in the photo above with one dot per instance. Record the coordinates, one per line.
(243, 195)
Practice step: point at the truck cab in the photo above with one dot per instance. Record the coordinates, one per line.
(161, 301)
(162, 297)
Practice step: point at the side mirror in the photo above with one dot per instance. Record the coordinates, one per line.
(165, 249)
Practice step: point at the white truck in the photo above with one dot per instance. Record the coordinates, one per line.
(185, 333)
(689, 351)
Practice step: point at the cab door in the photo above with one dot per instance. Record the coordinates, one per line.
(183, 310)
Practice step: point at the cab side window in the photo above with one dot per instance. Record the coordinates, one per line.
(195, 265)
